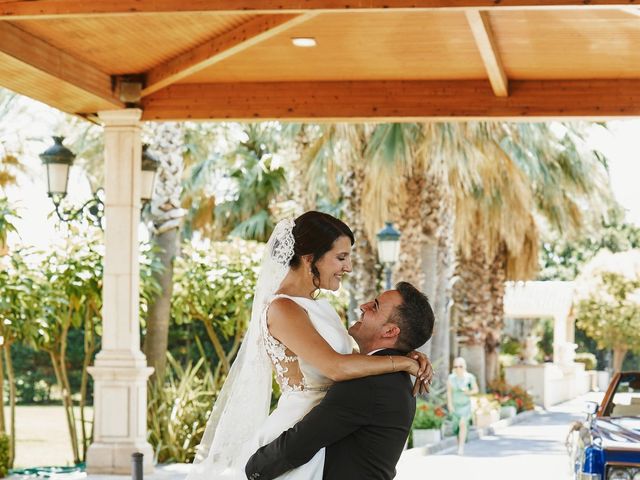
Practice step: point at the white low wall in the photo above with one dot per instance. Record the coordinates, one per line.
(549, 383)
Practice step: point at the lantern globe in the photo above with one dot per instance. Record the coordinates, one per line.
(57, 159)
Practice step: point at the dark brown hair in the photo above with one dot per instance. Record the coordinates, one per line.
(314, 234)
(414, 316)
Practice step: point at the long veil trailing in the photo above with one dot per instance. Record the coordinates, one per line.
(243, 402)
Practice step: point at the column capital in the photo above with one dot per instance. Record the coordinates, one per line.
(122, 117)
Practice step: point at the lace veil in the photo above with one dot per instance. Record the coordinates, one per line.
(243, 402)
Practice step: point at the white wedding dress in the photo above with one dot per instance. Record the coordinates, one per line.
(239, 422)
(302, 385)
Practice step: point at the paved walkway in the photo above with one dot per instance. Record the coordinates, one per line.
(532, 449)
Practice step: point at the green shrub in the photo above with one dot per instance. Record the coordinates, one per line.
(589, 360)
(428, 416)
(510, 346)
(4, 454)
(178, 410)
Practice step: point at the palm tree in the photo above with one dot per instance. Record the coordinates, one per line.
(543, 176)
(363, 281)
(255, 179)
(332, 163)
(485, 173)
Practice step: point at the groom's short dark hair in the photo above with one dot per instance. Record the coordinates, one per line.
(414, 316)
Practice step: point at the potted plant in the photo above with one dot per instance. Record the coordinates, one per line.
(508, 406)
(487, 411)
(427, 424)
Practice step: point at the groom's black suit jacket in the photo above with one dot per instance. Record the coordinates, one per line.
(363, 423)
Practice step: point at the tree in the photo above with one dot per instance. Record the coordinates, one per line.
(493, 177)
(71, 289)
(562, 258)
(609, 302)
(255, 178)
(214, 284)
(20, 309)
(543, 173)
(334, 159)
(62, 295)
(166, 217)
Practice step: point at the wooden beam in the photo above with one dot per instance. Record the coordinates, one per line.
(217, 49)
(34, 52)
(483, 35)
(395, 101)
(26, 9)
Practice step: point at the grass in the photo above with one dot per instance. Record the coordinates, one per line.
(42, 436)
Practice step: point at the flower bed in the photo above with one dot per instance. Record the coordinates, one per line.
(428, 416)
(510, 396)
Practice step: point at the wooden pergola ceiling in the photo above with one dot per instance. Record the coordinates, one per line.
(374, 60)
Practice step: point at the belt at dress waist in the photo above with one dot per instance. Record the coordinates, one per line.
(318, 388)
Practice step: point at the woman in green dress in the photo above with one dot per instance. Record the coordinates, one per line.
(460, 386)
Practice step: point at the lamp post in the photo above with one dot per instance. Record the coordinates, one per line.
(388, 249)
(58, 160)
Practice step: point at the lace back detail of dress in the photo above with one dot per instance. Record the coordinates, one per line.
(284, 361)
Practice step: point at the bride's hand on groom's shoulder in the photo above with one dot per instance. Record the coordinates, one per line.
(425, 372)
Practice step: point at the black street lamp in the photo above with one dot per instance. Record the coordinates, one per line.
(388, 249)
(58, 160)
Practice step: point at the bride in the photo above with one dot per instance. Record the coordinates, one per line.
(302, 338)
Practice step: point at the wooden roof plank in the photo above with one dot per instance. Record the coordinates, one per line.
(481, 29)
(46, 58)
(395, 101)
(217, 49)
(26, 9)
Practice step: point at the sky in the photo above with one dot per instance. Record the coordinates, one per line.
(620, 142)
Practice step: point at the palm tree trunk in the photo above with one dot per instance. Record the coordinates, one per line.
(166, 211)
(618, 358)
(420, 224)
(441, 354)
(472, 304)
(363, 281)
(297, 182)
(156, 340)
(414, 256)
(497, 277)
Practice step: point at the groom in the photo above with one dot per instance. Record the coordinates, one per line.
(363, 422)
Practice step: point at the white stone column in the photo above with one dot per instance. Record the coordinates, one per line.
(559, 340)
(120, 373)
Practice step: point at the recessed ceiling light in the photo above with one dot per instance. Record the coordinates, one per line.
(304, 42)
